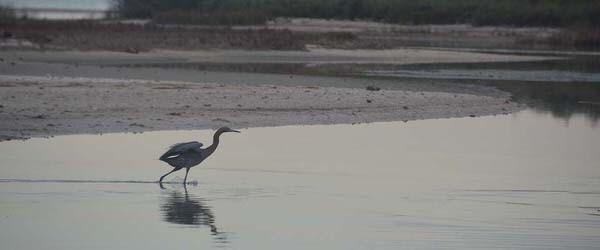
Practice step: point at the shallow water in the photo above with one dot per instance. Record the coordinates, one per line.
(481, 74)
(572, 69)
(526, 180)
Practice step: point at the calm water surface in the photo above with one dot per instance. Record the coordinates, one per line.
(525, 180)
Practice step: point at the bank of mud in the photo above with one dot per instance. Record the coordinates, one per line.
(47, 106)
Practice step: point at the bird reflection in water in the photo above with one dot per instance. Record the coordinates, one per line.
(183, 209)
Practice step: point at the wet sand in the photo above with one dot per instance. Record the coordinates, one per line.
(70, 92)
(47, 106)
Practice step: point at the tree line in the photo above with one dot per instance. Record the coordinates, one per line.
(551, 13)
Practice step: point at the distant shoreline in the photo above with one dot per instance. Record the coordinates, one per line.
(298, 34)
(62, 14)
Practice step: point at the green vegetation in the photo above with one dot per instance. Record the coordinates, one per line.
(556, 13)
(7, 16)
(133, 38)
(578, 37)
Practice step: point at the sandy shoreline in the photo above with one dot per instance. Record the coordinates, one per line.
(72, 92)
(47, 106)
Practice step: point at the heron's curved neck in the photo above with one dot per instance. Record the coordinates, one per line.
(210, 149)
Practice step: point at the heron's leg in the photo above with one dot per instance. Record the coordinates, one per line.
(162, 177)
(185, 178)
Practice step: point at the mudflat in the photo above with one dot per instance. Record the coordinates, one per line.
(45, 106)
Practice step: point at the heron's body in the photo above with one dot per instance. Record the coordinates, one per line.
(189, 154)
(183, 155)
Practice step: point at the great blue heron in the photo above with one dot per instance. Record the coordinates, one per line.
(189, 154)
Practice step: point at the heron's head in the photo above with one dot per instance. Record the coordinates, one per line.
(227, 129)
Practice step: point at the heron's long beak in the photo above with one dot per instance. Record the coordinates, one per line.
(234, 131)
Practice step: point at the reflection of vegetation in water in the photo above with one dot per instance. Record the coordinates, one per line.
(562, 100)
(184, 209)
(578, 64)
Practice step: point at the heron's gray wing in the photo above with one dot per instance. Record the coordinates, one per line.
(187, 145)
(179, 148)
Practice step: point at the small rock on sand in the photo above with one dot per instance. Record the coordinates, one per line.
(137, 125)
(373, 88)
(220, 120)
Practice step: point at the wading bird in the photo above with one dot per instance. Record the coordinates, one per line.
(189, 154)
